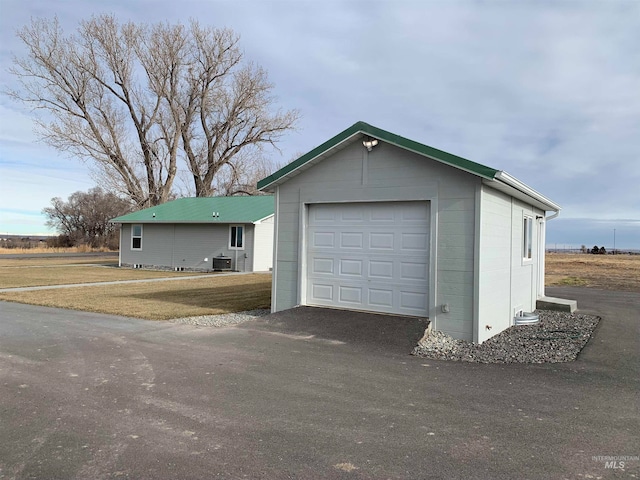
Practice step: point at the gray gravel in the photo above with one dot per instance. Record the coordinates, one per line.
(559, 337)
(224, 320)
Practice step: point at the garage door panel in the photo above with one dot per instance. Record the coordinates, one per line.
(415, 215)
(413, 300)
(322, 239)
(351, 295)
(414, 242)
(381, 269)
(379, 297)
(413, 271)
(352, 240)
(384, 214)
(322, 266)
(322, 292)
(381, 241)
(351, 267)
(369, 256)
(349, 215)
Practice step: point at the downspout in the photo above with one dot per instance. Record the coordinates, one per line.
(551, 217)
(543, 253)
(120, 246)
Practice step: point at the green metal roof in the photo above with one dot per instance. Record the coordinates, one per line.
(205, 210)
(361, 128)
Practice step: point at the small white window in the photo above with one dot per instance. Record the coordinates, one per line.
(527, 244)
(236, 237)
(136, 237)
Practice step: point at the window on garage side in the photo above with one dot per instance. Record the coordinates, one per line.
(236, 237)
(527, 244)
(136, 237)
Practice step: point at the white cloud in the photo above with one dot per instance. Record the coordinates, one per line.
(547, 91)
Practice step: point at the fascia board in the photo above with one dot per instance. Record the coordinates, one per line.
(514, 187)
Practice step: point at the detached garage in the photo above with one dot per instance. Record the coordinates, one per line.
(372, 221)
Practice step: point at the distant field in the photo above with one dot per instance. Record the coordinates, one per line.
(608, 272)
(6, 261)
(30, 251)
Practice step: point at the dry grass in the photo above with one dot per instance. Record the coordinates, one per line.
(224, 294)
(25, 275)
(81, 249)
(109, 260)
(608, 272)
(159, 300)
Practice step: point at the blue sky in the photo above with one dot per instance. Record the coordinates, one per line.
(547, 91)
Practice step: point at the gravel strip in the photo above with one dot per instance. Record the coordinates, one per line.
(223, 320)
(559, 337)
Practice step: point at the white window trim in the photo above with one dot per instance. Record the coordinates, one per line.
(135, 236)
(527, 239)
(244, 236)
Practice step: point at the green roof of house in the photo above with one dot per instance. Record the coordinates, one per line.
(359, 129)
(205, 210)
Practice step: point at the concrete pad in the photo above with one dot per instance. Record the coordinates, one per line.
(557, 304)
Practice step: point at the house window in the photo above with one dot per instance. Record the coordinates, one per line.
(236, 237)
(136, 237)
(527, 244)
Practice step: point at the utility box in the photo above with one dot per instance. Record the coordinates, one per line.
(221, 263)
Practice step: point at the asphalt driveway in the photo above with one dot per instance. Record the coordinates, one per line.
(94, 396)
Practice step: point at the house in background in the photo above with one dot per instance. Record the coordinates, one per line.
(373, 221)
(189, 233)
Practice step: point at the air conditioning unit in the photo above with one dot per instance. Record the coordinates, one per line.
(222, 263)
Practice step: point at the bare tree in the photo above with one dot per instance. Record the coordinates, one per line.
(84, 217)
(139, 102)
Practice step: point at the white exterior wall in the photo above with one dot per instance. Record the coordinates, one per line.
(494, 263)
(387, 173)
(506, 282)
(524, 279)
(186, 246)
(263, 245)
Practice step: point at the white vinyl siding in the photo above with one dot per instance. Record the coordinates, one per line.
(263, 245)
(494, 265)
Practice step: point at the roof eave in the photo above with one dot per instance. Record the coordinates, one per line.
(514, 187)
(308, 159)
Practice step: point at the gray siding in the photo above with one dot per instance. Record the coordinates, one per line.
(186, 246)
(387, 173)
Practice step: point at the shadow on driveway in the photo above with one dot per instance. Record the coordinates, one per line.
(387, 333)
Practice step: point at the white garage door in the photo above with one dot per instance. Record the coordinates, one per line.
(369, 256)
